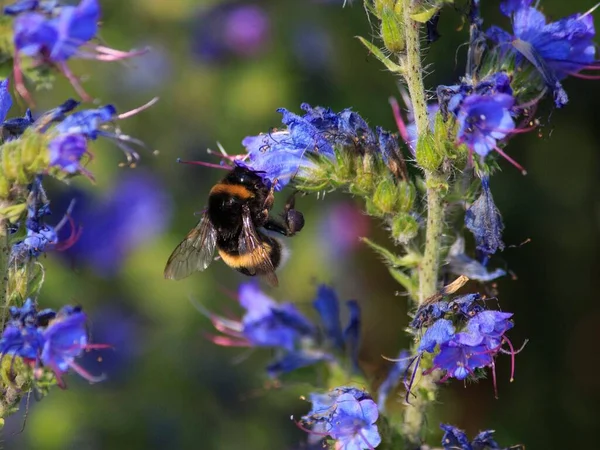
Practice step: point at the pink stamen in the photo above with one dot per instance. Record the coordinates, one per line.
(398, 118)
(74, 82)
(494, 380)
(512, 358)
(20, 83)
(584, 76)
(85, 374)
(510, 160)
(227, 342)
(128, 114)
(205, 164)
(97, 346)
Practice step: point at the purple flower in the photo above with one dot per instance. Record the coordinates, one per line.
(134, 211)
(555, 49)
(66, 151)
(269, 324)
(22, 340)
(283, 154)
(230, 29)
(460, 361)
(54, 40)
(328, 307)
(440, 332)
(21, 6)
(246, 29)
(483, 219)
(475, 347)
(348, 416)
(95, 123)
(456, 439)
(460, 263)
(65, 339)
(5, 100)
(483, 120)
(265, 324)
(41, 237)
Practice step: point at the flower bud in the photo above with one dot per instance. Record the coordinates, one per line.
(428, 155)
(404, 228)
(391, 30)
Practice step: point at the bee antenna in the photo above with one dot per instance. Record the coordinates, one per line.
(205, 164)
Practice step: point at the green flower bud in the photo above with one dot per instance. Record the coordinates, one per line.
(428, 154)
(404, 228)
(392, 30)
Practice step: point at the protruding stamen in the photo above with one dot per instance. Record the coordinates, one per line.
(133, 112)
(205, 164)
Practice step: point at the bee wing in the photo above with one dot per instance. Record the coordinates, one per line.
(194, 253)
(250, 243)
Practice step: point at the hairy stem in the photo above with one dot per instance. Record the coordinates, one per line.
(413, 74)
(414, 418)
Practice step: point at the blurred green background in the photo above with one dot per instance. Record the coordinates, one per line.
(220, 80)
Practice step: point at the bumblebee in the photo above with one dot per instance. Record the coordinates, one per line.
(236, 224)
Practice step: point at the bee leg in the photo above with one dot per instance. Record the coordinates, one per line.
(293, 220)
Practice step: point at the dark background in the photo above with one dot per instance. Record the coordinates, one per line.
(168, 387)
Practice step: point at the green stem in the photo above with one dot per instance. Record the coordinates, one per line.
(414, 417)
(413, 74)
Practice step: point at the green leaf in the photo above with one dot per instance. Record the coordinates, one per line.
(389, 64)
(388, 257)
(425, 14)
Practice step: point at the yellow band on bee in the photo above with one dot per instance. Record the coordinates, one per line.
(232, 189)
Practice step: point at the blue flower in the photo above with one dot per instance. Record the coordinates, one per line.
(460, 361)
(456, 439)
(40, 237)
(475, 347)
(440, 332)
(460, 263)
(22, 6)
(484, 220)
(555, 49)
(65, 339)
(94, 123)
(483, 120)
(5, 100)
(328, 307)
(348, 416)
(135, 210)
(230, 29)
(54, 40)
(265, 324)
(66, 151)
(284, 154)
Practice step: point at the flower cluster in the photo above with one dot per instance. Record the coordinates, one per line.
(555, 49)
(47, 339)
(50, 34)
(320, 133)
(56, 142)
(456, 439)
(298, 341)
(459, 354)
(345, 414)
(40, 236)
